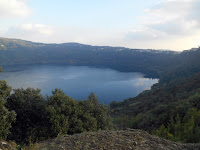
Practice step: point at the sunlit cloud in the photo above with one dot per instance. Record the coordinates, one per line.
(174, 17)
(29, 31)
(168, 22)
(14, 8)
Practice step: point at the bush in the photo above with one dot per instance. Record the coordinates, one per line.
(6, 117)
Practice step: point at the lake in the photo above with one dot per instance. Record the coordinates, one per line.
(78, 81)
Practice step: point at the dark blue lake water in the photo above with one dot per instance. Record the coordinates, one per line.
(78, 81)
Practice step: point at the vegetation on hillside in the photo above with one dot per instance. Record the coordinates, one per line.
(149, 62)
(176, 94)
(186, 129)
(153, 63)
(170, 109)
(26, 116)
(6, 117)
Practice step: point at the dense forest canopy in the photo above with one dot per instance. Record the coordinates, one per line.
(156, 110)
(26, 116)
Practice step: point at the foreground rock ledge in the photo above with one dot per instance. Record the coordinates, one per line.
(113, 140)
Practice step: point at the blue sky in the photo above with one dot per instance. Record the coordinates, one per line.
(88, 13)
(156, 24)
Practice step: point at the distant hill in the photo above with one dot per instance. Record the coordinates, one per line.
(20, 52)
(166, 109)
(153, 63)
(6, 44)
(160, 101)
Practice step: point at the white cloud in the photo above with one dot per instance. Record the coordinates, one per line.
(168, 22)
(29, 31)
(3, 30)
(51, 34)
(145, 34)
(34, 28)
(14, 8)
(171, 24)
(174, 17)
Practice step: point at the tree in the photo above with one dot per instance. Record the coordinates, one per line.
(186, 129)
(98, 111)
(68, 116)
(61, 109)
(31, 120)
(4, 90)
(162, 132)
(6, 117)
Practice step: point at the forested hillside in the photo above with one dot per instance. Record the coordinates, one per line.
(167, 109)
(153, 63)
(27, 117)
(150, 62)
(171, 109)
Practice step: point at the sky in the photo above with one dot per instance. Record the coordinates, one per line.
(144, 24)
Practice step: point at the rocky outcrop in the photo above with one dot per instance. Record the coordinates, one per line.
(113, 140)
(7, 145)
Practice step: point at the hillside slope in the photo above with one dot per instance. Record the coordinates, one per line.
(150, 62)
(113, 140)
(152, 108)
(153, 63)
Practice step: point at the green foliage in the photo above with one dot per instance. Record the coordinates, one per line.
(4, 90)
(60, 109)
(30, 123)
(6, 117)
(163, 132)
(39, 118)
(151, 109)
(186, 129)
(166, 109)
(98, 111)
(68, 116)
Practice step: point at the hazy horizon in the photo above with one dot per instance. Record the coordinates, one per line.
(152, 24)
(94, 45)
